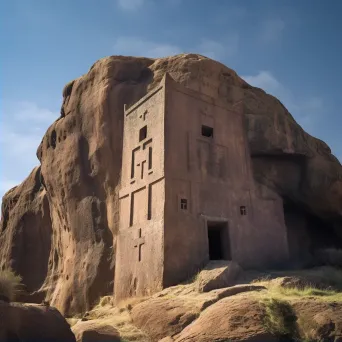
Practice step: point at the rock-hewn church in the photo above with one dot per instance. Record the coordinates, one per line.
(187, 192)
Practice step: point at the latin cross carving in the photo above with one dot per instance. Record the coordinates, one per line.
(139, 242)
(144, 116)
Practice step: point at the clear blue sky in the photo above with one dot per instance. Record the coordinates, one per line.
(292, 49)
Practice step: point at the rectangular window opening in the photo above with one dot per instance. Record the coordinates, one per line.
(243, 210)
(150, 158)
(184, 204)
(149, 203)
(207, 131)
(143, 133)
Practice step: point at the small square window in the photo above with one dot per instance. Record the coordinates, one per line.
(184, 204)
(143, 133)
(207, 131)
(243, 210)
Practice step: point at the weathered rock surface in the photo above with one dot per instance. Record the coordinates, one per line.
(232, 319)
(168, 312)
(161, 317)
(30, 322)
(218, 274)
(93, 331)
(74, 206)
(182, 314)
(25, 232)
(167, 339)
(302, 282)
(319, 320)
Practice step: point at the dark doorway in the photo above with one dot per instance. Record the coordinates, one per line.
(218, 241)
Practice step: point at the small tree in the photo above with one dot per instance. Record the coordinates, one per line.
(9, 285)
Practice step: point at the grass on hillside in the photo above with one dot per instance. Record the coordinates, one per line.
(10, 284)
(330, 275)
(117, 316)
(289, 293)
(307, 291)
(280, 319)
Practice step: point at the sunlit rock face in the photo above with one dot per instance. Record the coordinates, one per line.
(58, 228)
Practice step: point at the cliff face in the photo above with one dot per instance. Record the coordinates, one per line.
(26, 230)
(58, 227)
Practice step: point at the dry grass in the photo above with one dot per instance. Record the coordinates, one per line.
(129, 303)
(308, 291)
(10, 284)
(117, 316)
(332, 276)
(106, 300)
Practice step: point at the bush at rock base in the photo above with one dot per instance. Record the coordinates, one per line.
(280, 318)
(9, 285)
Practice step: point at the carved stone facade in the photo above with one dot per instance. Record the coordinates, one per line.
(188, 193)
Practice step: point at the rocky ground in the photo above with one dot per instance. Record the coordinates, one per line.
(270, 306)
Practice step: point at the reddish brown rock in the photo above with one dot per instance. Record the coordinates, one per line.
(25, 232)
(94, 331)
(319, 320)
(162, 317)
(30, 322)
(231, 319)
(80, 157)
(218, 274)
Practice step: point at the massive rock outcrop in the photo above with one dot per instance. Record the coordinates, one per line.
(25, 232)
(68, 207)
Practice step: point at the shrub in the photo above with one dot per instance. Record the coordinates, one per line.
(9, 284)
(280, 319)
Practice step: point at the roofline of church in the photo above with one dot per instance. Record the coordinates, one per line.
(167, 80)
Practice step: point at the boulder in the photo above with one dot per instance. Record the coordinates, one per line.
(323, 277)
(95, 331)
(218, 274)
(231, 319)
(162, 317)
(31, 322)
(319, 320)
(301, 282)
(70, 203)
(189, 294)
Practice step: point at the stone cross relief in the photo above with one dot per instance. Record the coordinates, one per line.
(139, 242)
(144, 115)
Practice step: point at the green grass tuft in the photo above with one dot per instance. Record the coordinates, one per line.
(10, 284)
(280, 319)
(281, 292)
(306, 292)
